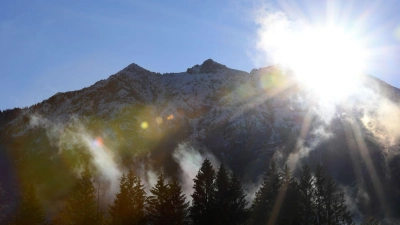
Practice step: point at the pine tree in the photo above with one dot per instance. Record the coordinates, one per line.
(330, 198)
(306, 191)
(202, 211)
(321, 200)
(342, 215)
(222, 201)
(320, 206)
(179, 208)
(264, 200)
(370, 221)
(128, 205)
(335, 204)
(139, 199)
(81, 206)
(237, 212)
(119, 210)
(100, 214)
(289, 213)
(30, 210)
(158, 205)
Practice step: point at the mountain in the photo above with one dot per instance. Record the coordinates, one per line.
(151, 121)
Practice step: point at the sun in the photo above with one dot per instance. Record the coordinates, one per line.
(327, 60)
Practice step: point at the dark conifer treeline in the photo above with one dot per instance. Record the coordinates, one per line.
(128, 206)
(218, 199)
(81, 206)
(314, 198)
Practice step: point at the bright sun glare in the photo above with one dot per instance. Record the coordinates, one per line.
(328, 60)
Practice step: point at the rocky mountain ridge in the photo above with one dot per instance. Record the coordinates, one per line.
(243, 119)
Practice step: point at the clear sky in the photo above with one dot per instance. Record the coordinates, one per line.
(56, 46)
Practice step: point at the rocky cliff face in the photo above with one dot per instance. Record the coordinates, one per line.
(140, 118)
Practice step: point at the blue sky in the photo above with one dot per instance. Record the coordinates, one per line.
(56, 46)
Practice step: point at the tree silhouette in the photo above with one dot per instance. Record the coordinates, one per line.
(179, 207)
(202, 211)
(168, 204)
(230, 200)
(306, 194)
(289, 212)
(128, 205)
(222, 198)
(30, 210)
(81, 206)
(330, 197)
(139, 199)
(314, 199)
(100, 215)
(264, 201)
(320, 198)
(342, 215)
(237, 212)
(158, 205)
(120, 211)
(335, 209)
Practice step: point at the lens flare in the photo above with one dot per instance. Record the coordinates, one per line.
(159, 120)
(170, 117)
(98, 142)
(144, 125)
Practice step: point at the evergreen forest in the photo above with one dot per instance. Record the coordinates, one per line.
(312, 197)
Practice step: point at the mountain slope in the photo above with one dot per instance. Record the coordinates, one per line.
(138, 118)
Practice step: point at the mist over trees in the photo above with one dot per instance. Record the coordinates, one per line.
(313, 198)
(47, 142)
